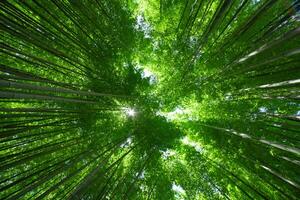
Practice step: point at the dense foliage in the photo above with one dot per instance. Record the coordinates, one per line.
(160, 99)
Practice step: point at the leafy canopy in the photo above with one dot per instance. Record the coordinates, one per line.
(139, 99)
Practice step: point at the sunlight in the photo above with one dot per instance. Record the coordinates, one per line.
(130, 112)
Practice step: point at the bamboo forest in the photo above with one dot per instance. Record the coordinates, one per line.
(150, 99)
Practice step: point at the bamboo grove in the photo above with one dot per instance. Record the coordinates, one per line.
(159, 99)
